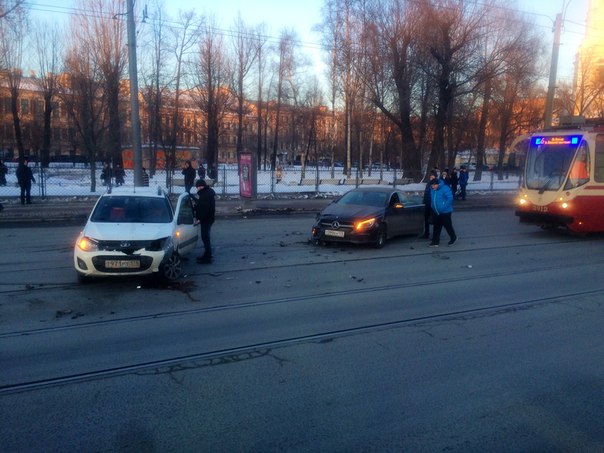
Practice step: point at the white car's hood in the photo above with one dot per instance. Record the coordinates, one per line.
(127, 231)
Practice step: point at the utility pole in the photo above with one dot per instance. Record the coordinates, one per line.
(549, 103)
(134, 115)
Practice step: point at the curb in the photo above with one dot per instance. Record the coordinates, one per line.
(52, 212)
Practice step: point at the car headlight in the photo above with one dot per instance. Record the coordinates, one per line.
(364, 224)
(87, 244)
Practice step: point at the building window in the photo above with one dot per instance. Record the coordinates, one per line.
(24, 106)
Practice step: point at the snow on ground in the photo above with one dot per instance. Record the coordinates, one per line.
(66, 180)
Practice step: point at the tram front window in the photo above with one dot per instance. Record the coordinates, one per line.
(549, 160)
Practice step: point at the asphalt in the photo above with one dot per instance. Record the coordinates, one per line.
(75, 210)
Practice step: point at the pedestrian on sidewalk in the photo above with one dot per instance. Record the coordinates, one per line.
(205, 212)
(25, 177)
(279, 173)
(3, 172)
(145, 178)
(441, 199)
(106, 174)
(427, 207)
(119, 175)
(454, 181)
(463, 182)
(189, 173)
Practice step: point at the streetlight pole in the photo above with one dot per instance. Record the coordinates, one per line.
(134, 112)
(547, 118)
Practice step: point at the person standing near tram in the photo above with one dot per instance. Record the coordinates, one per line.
(427, 207)
(441, 201)
(463, 182)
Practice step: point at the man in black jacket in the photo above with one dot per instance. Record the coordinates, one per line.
(205, 211)
(427, 207)
(25, 178)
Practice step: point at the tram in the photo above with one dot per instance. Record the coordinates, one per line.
(563, 181)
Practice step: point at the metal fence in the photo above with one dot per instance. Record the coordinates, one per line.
(74, 179)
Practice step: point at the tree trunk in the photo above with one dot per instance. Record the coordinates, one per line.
(482, 130)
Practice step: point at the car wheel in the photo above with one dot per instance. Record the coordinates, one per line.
(381, 237)
(172, 268)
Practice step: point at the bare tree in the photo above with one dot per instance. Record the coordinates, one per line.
(81, 92)
(260, 41)
(390, 72)
(515, 83)
(106, 36)
(451, 34)
(331, 36)
(589, 92)
(185, 37)
(284, 71)
(10, 8)
(211, 75)
(12, 34)
(310, 113)
(504, 36)
(246, 51)
(153, 68)
(49, 53)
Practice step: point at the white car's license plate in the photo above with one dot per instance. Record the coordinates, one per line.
(122, 264)
(334, 233)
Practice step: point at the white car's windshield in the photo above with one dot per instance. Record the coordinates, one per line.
(132, 209)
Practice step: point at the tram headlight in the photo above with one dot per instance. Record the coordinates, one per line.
(522, 201)
(564, 205)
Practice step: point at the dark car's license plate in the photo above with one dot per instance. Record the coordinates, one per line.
(334, 233)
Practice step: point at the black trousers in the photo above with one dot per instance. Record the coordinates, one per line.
(205, 229)
(25, 193)
(440, 221)
(427, 215)
(463, 192)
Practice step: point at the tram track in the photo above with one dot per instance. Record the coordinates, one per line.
(253, 350)
(284, 300)
(33, 286)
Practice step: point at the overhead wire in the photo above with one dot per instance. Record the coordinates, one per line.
(43, 7)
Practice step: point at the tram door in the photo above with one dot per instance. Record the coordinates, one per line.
(598, 164)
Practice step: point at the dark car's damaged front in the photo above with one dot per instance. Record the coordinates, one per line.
(345, 223)
(367, 215)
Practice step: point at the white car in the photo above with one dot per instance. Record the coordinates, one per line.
(135, 231)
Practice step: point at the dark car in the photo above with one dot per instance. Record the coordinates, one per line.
(370, 215)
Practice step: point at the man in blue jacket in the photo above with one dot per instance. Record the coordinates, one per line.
(441, 202)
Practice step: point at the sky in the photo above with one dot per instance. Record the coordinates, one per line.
(303, 15)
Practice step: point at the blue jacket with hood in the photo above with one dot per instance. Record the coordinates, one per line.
(441, 199)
